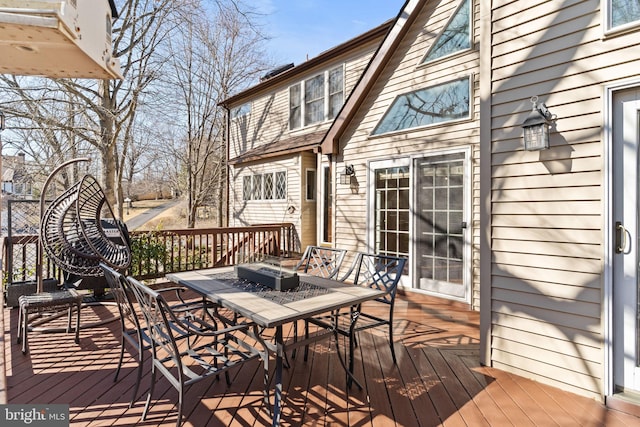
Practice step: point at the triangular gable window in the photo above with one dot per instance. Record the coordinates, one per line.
(455, 37)
(423, 107)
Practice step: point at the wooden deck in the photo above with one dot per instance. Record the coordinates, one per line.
(438, 381)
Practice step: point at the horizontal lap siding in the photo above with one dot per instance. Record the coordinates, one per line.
(404, 74)
(547, 207)
(249, 212)
(268, 121)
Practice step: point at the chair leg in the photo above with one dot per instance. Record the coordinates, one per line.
(180, 396)
(19, 340)
(306, 336)
(295, 338)
(77, 338)
(138, 377)
(115, 378)
(25, 332)
(151, 387)
(69, 317)
(393, 350)
(78, 307)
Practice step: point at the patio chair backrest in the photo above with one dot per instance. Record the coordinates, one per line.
(320, 261)
(375, 271)
(117, 283)
(155, 309)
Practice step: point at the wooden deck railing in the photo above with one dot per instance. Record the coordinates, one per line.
(156, 253)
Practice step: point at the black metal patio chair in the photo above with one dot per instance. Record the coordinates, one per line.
(133, 327)
(318, 261)
(374, 271)
(210, 350)
(321, 261)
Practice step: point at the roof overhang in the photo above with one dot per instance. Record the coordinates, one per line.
(284, 147)
(367, 80)
(316, 61)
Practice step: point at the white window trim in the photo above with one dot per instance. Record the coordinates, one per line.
(244, 109)
(468, 215)
(607, 303)
(372, 165)
(608, 30)
(424, 63)
(262, 198)
(326, 72)
(321, 199)
(471, 79)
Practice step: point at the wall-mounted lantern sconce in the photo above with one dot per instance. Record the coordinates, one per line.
(345, 177)
(1, 121)
(536, 126)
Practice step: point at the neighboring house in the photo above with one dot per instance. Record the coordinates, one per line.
(426, 159)
(17, 181)
(275, 128)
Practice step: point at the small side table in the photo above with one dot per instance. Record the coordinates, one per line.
(47, 302)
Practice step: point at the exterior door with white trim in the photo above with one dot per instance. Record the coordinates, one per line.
(441, 225)
(626, 313)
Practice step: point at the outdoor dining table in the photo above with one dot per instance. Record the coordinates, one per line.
(269, 308)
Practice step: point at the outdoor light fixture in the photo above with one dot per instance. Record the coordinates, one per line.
(536, 126)
(1, 121)
(345, 177)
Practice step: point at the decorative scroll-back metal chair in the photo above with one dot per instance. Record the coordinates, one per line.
(210, 352)
(132, 325)
(377, 272)
(320, 261)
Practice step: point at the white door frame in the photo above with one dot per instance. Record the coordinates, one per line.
(407, 282)
(608, 234)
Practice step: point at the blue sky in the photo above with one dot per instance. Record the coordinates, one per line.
(308, 27)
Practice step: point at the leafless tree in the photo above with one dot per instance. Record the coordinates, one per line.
(200, 49)
(63, 117)
(217, 53)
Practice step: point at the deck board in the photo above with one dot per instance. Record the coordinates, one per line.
(438, 381)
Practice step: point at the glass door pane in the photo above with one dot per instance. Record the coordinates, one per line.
(440, 224)
(391, 229)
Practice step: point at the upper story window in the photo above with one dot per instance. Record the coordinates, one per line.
(241, 111)
(435, 104)
(623, 12)
(317, 99)
(265, 186)
(455, 37)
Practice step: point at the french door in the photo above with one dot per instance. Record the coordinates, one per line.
(626, 199)
(420, 208)
(441, 225)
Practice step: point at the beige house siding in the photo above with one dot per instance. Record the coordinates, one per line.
(547, 207)
(404, 73)
(268, 121)
(260, 141)
(251, 212)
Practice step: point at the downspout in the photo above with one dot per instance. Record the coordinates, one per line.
(486, 288)
(227, 137)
